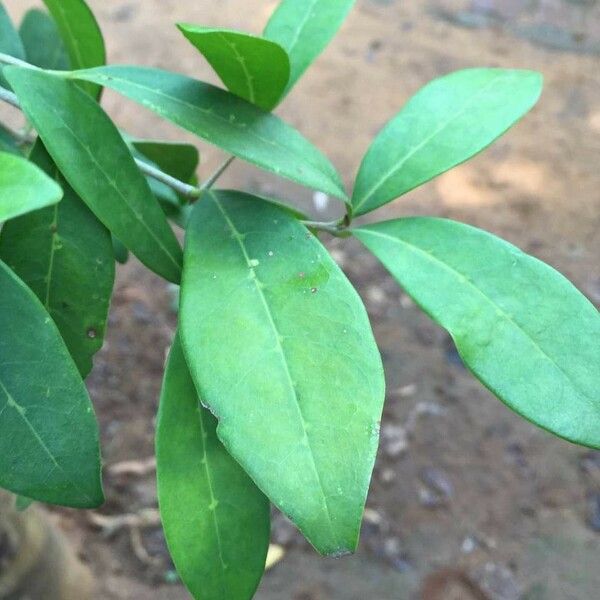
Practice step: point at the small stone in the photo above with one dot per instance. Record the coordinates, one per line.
(394, 439)
(438, 482)
(498, 582)
(387, 476)
(594, 512)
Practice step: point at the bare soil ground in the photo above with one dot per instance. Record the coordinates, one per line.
(468, 501)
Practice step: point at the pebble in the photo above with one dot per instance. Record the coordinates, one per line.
(498, 582)
(594, 512)
(394, 440)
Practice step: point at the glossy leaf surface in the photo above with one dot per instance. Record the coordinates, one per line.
(216, 521)
(80, 33)
(96, 162)
(43, 44)
(281, 350)
(519, 325)
(24, 187)
(251, 67)
(447, 122)
(224, 120)
(64, 254)
(305, 28)
(48, 433)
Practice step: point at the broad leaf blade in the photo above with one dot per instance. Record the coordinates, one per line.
(80, 33)
(216, 521)
(447, 122)
(10, 42)
(43, 44)
(305, 28)
(519, 325)
(64, 254)
(49, 447)
(24, 187)
(281, 350)
(96, 162)
(251, 67)
(224, 120)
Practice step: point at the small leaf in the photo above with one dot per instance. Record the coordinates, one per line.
(224, 120)
(281, 350)
(94, 159)
(64, 254)
(178, 160)
(24, 187)
(43, 44)
(447, 122)
(519, 325)
(253, 68)
(49, 447)
(305, 28)
(10, 42)
(216, 521)
(80, 33)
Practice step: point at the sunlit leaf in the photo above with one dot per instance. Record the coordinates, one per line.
(520, 326)
(224, 120)
(64, 254)
(24, 187)
(444, 124)
(281, 350)
(96, 162)
(48, 433)
(10, 42)
(216, 521)
(305, 28)
(251, 67)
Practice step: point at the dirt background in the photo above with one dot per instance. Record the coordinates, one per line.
(468, 501)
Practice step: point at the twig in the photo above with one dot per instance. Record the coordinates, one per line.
(189, 191)
(9, 98)
(7, 59)
(215, 176)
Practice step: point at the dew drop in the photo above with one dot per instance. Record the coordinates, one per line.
(271, 253)
(314, 290)
(92, 333)
(301, 275)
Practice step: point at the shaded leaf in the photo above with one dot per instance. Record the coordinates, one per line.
(280, 348)
(447, 122)
(119, 250)
(49, 447)
(80, 33)
(64, 254)
(96, 162)
(251, 67)
(24, 187)
(305, 28)
(216, 521)
(519, 325)
(224, 120)
(10, 42)
(178, 160)
(43, 44)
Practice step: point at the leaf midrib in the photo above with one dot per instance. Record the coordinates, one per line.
(281, 353)
(11, 402)
(113, 185)
(391, 172)
(242, 63)
(466, 281)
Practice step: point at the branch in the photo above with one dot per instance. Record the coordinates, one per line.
(7, 59)
(9, 98)
(189, 191)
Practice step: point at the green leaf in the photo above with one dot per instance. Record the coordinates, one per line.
(224, 120)
(253, 68)
(96, 162)
(216, 521)
(64, 254)
(24, 187)
(10, 42)
(520, 326)
(119, 250)
(8, 143)
(178, 160)
(80, 33)
(48, 433)
(447, 122)
(280, 348)
(305, 28)
(22, 503)
(43, 44)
